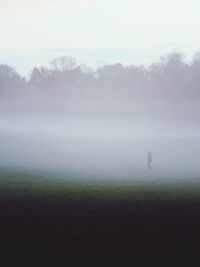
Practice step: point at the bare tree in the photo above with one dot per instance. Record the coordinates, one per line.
(64, 63)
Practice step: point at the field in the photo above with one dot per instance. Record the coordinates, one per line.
(72, 215)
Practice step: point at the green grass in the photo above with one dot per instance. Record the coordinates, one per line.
(24, 184)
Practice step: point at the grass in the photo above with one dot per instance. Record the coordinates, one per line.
(77, 215)
(65, 187)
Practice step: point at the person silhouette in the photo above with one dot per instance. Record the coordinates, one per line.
(149, 161)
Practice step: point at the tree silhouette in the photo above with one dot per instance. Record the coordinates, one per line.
(170, 85)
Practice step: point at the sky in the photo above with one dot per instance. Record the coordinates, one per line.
(33, 32)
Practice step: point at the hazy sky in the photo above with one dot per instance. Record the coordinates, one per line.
(132, 31)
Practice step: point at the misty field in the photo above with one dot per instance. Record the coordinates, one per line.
(78, 215)
(69, 186)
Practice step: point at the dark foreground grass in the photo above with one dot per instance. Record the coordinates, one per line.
(69, 216)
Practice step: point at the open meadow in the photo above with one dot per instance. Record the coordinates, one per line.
(74, 215)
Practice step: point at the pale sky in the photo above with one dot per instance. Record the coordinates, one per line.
(32, 32)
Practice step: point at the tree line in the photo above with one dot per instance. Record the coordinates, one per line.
(170, 79)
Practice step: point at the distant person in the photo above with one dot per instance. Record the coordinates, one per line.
(149, 161)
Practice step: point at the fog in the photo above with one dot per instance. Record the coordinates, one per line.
(102, 123)
(100, 147)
